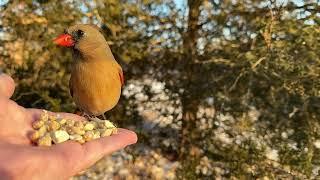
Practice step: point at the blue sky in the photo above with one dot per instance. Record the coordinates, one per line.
(180, 3)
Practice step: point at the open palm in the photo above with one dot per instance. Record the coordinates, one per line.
(19, 159)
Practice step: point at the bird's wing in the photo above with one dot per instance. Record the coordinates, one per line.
(121, 76)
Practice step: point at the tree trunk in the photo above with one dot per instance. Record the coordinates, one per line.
(191, 36)
(189, 101)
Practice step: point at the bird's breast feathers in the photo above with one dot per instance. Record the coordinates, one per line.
(96, 86)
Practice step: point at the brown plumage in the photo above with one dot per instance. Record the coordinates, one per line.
(96, 77)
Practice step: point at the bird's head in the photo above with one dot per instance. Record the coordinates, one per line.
(82, 37)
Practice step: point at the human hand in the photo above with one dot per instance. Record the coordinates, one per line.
(19, 159)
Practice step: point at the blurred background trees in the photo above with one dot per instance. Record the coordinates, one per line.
(225, 89)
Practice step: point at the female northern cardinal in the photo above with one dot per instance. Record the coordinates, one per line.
(96, 77)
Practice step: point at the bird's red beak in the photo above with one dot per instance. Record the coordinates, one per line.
(64, 40)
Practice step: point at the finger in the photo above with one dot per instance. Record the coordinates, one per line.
(96, 149)
(107, 145)
(78, 157)
(6, 85)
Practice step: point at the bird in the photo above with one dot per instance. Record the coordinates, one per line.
(96, 77)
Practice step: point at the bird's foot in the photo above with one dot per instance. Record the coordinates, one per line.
(104, 117)
(88, 117)
(93, 117)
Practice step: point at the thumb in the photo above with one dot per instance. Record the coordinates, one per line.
(6, 85)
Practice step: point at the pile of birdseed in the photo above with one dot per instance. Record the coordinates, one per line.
(52, 129)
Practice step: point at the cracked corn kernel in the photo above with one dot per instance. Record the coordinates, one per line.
(44, 116)
(59, 136)
(52, 118)
(81, 141)
(88, 126)
(53, 126)
(78, 124)
(42, 131)
(56, 130)
(70, 122)
(35, 136)
(62, 121)
(45, 141)
(95, 124)
(100, 125)
(37, 124)
(88, 136)
(108, 124)
(77, 130)
(96, 134)
(75, 137)
(63, 128)
(105, 132)
(69, 130)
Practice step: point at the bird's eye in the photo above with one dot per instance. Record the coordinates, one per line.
(80, 33)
